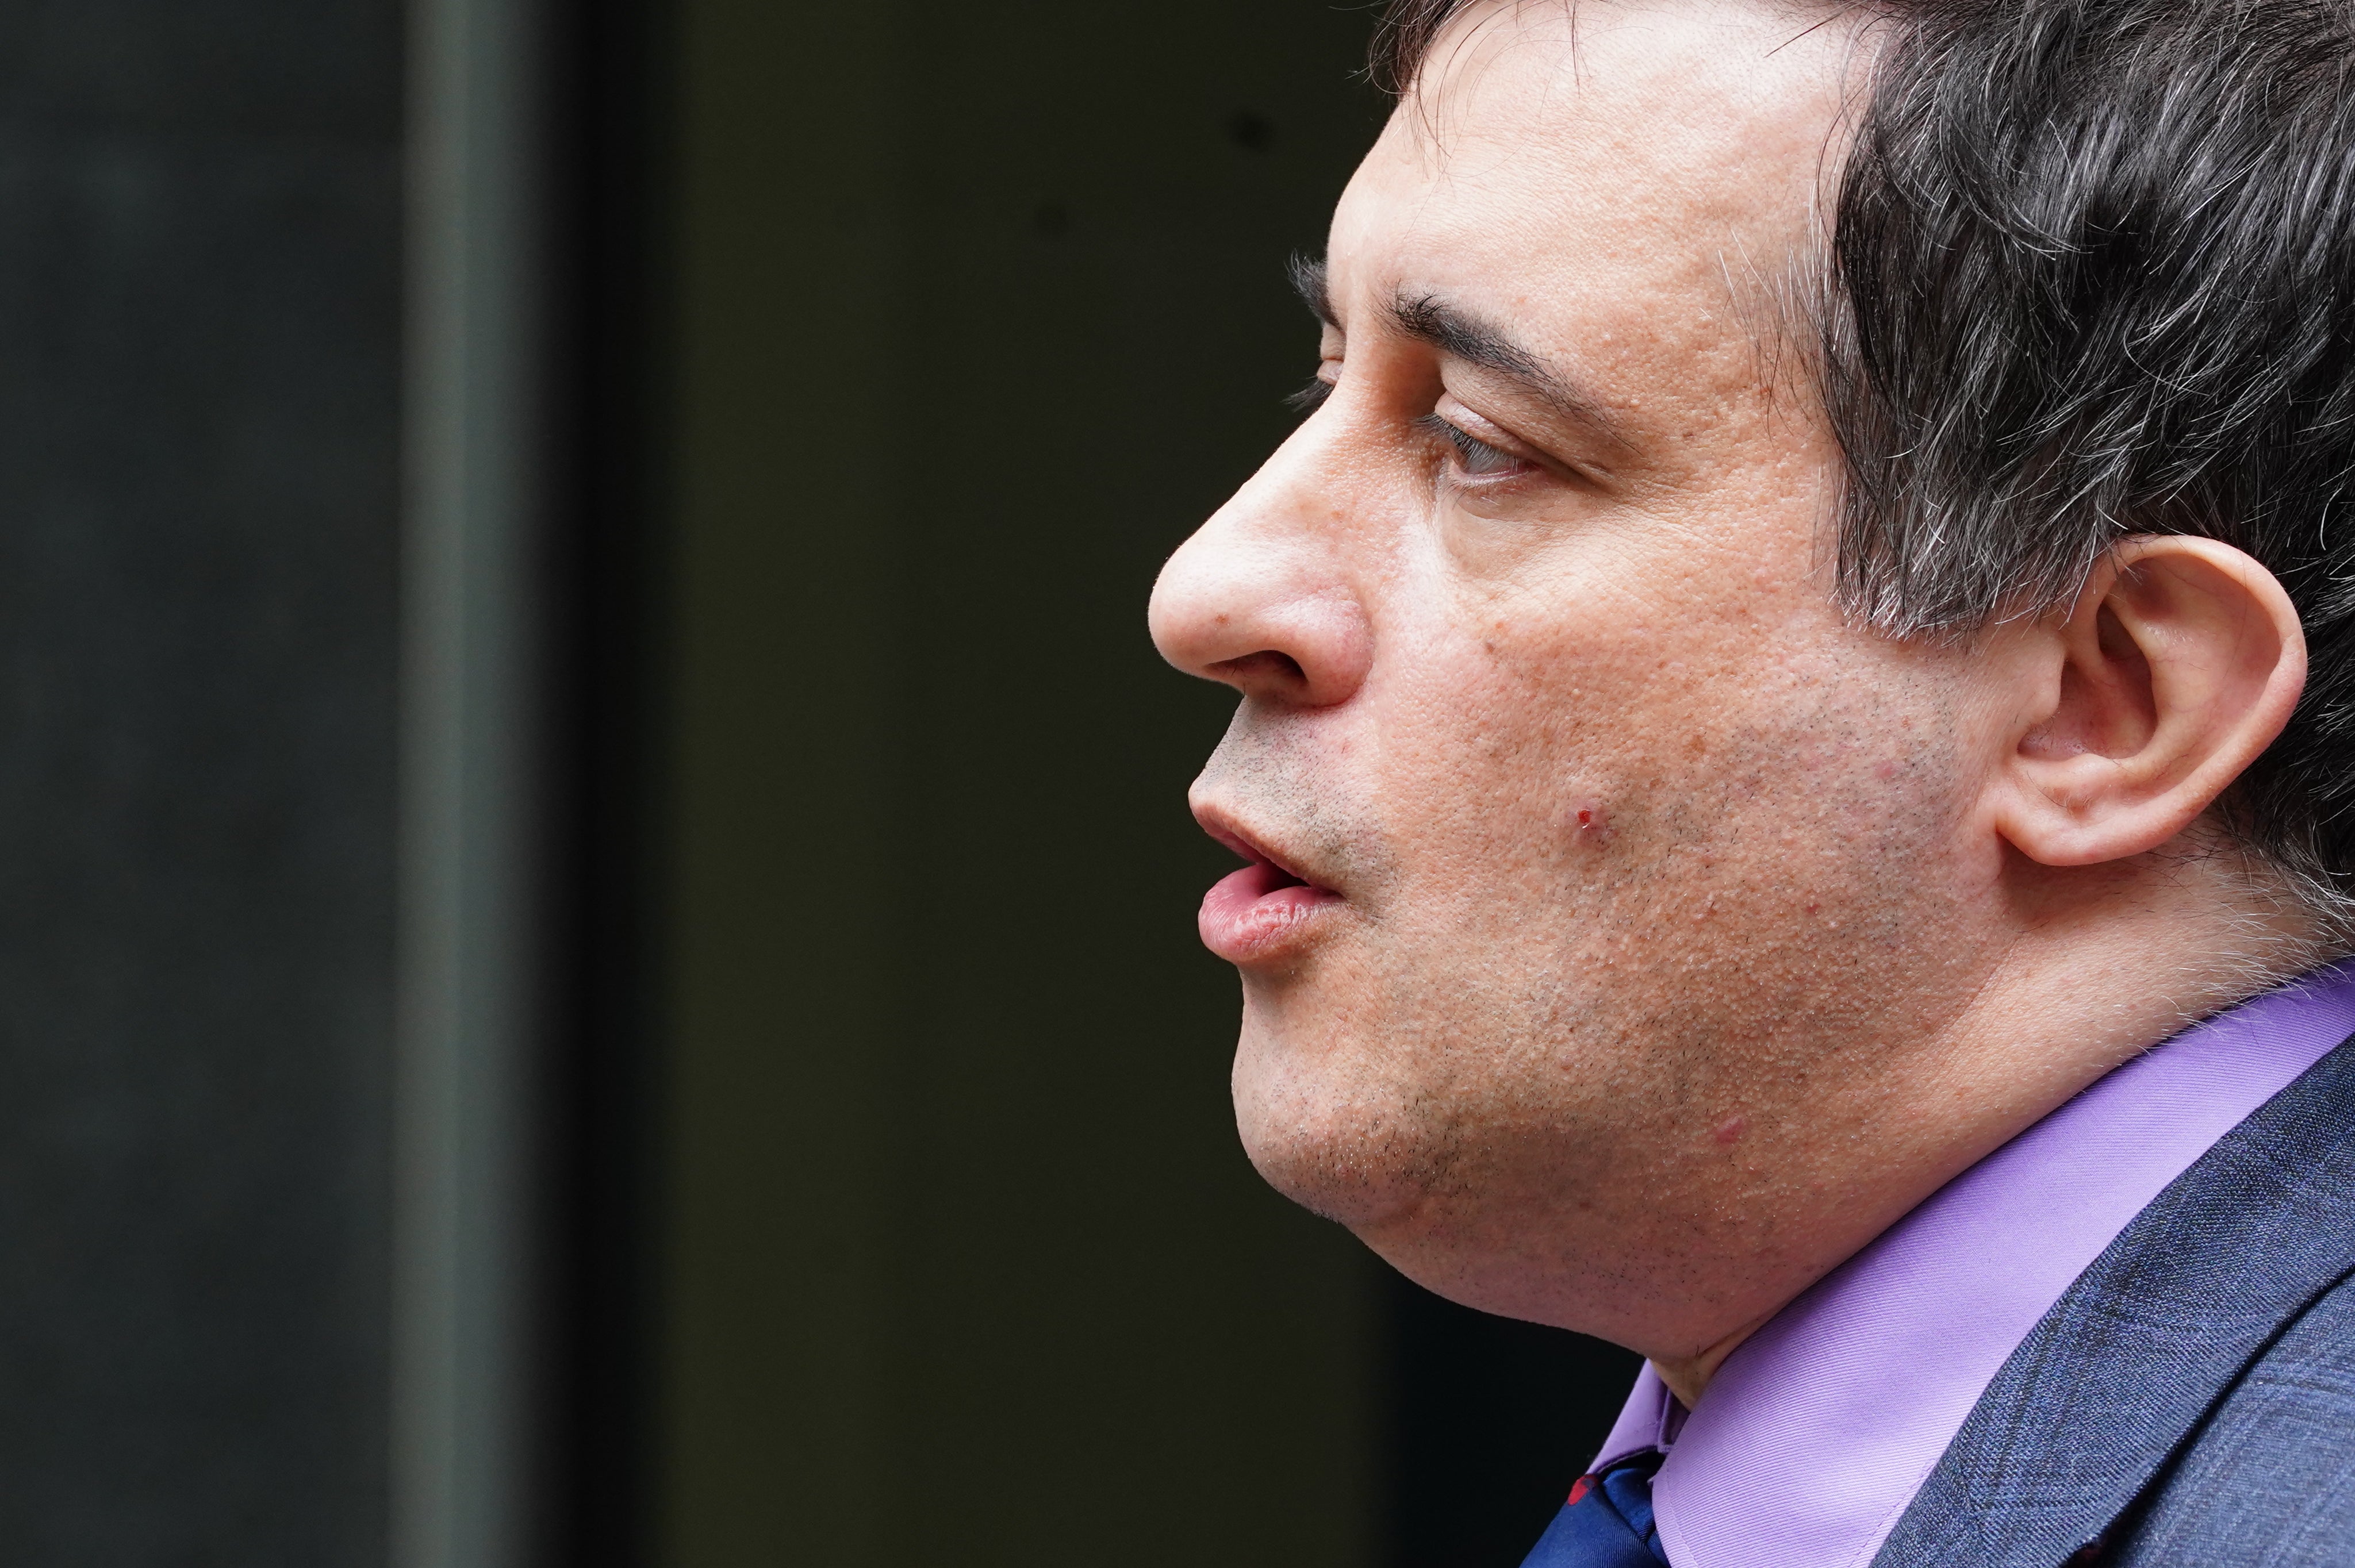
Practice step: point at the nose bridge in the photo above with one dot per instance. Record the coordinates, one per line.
(1271, 573)
(1284, 518)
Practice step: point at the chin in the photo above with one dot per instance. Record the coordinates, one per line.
(1326, 1134)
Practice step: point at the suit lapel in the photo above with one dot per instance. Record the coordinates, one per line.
(2125, 1367)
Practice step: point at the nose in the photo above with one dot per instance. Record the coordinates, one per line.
(1260, 597)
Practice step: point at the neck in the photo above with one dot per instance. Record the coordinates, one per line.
(2081, 989)
(1687, 1377)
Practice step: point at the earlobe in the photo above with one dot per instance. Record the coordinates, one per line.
(2180, 661)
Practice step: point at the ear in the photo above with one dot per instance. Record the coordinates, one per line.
(2180, 661)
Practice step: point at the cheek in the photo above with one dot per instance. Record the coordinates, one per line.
(1516, 765)
(1795, 835)
(1529, 776)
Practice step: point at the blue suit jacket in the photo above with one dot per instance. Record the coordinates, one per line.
(2190, 1402)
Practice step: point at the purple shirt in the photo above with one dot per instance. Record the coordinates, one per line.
(1818, 1430)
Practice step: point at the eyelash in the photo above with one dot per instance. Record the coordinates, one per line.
(1470, 450)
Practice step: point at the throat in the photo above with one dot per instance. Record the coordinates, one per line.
(1687, 1377)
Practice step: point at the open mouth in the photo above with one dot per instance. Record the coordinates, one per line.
(1255, 913)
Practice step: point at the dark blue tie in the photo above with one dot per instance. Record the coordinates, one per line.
(1606, 1523)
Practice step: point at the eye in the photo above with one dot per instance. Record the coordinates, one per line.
(1476, 457)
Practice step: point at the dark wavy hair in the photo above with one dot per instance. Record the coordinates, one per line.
(2091, 274)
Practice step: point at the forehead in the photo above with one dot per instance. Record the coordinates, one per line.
(1573, 166)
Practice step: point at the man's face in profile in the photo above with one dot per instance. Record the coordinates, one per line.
(1584, 818)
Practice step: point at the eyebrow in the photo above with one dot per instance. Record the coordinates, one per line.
(1462, 335)
(1313, 284)
(1459, 335)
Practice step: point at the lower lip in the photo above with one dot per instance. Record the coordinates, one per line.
(1258, 912)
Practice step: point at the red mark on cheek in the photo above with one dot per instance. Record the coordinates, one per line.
(1731, 1132)
(1590, 822)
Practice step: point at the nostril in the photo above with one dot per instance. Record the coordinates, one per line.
(1265, 668)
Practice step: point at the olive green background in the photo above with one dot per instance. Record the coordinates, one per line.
(978, 311)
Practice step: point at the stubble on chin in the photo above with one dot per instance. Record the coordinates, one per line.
(1321, 1121)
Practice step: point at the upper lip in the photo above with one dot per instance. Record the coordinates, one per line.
(1252, 846)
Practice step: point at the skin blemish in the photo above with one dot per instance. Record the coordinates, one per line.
(1590, 821)
(1731, 1130)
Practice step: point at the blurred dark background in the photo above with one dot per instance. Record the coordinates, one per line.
(599, 961)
